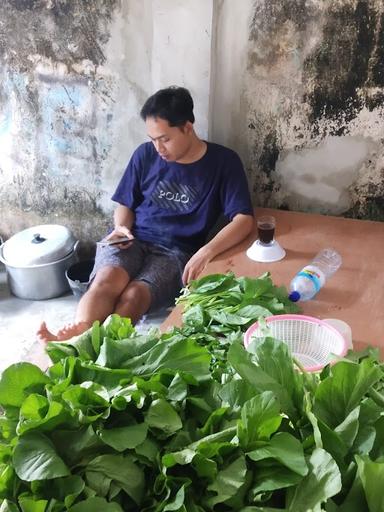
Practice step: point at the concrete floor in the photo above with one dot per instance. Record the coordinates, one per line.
(19, 320)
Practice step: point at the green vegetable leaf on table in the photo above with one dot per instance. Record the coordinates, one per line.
(190, 420)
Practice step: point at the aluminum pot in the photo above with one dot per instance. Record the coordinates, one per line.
(36, 260)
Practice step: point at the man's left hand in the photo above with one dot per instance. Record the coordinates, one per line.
(197, 264)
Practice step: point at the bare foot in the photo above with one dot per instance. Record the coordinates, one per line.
(44, 335)
(66, 333)
(71, 330)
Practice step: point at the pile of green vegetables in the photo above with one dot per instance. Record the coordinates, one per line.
(190, 421)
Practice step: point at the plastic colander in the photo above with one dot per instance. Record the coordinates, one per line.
(313, 342)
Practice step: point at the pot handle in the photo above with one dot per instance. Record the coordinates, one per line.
(38, 239)
(1, 253)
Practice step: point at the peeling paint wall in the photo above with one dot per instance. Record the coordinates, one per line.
(310, 99)
(55, 128)
(73, 77)
(296, 86)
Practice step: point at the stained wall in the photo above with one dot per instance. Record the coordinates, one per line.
(295, 86)
(306, 102)
(73, 76)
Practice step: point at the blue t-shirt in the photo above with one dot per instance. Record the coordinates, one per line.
(176, 205)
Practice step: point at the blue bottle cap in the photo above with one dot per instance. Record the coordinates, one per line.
(294, 296)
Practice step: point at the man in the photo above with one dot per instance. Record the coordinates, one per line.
(169, 198)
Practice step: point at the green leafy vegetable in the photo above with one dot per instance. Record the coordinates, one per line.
(35, 458)
(190, 421)
(322, 482)
(18, 381)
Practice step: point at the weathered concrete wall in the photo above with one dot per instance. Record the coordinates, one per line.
(73, 77)
(296, 86)
(56, 111)
(309, 93)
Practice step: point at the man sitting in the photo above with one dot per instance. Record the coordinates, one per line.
(171, 195)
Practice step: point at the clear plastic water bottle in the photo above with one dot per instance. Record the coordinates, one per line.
(312, 277)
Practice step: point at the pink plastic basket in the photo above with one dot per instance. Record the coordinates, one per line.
(313, 342)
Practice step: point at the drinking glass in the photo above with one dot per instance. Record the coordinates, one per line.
(266, 229)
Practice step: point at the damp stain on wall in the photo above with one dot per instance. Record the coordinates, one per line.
(368, 191)
(55, 113)
(346, 65)
(315, 71)
(271, 29)
(63, 31)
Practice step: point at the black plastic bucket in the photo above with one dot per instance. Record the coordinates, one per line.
(78, 276)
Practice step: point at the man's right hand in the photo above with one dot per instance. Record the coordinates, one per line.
(119, 232)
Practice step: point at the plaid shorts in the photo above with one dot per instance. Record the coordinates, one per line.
(161, 268)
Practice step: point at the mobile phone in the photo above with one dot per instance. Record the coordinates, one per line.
(115, 241)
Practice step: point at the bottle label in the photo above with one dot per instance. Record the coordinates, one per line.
(314, 274)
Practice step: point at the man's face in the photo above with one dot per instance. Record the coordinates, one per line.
(171, 142)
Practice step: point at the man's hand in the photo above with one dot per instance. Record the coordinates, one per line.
(197, 264)
(119, 232)
(230, 235)
(123, 217)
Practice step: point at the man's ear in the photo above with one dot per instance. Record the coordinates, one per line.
(187, 128)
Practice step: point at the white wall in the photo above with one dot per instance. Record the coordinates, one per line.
(148, 49)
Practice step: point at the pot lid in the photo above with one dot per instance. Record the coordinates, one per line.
(38, 245)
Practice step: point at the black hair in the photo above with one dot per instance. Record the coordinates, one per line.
(174, 104)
